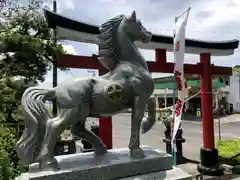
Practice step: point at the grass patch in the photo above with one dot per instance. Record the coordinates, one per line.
(227, 149)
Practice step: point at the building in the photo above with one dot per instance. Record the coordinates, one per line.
(233, 87)
(165, 91)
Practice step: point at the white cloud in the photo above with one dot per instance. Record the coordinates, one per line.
(222, 12)
(62, 5)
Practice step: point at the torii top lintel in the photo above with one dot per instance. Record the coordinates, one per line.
(68, 29)
(88, 62)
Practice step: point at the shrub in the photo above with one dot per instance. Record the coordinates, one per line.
(9, 162)
(5, 171)
(227, 149)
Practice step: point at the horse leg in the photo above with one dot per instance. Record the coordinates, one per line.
(80, 131)
(54, 128)
(138, 110)
(149, 122)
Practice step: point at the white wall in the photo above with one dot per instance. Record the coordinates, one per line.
(161, 92)
(234, 95)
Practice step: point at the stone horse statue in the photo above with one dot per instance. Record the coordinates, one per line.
(128, 84)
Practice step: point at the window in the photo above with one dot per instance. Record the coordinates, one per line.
(221, 79)
(227, 82)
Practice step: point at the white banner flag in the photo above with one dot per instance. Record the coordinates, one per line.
(179, 51)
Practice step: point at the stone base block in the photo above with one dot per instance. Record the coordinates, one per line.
(116, 164)
(172, 174)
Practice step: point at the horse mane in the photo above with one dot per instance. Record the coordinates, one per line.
(109, 54)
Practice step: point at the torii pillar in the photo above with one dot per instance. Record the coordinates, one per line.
(208, 153)
(105, 127)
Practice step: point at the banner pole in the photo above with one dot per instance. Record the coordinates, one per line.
(179, 50)
(174, 157)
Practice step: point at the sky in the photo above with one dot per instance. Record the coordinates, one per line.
(208, 20)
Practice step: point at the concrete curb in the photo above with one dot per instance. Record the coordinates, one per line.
(229, 172)
(224, 177)
(227, 168)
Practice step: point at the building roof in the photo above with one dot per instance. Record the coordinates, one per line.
(69, 29)
(192, 83)
(167, 79)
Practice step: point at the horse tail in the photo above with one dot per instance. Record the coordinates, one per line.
(149, 122)
(36, 116)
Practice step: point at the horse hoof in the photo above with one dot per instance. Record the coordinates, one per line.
(146, 126)
(137, 153)
(49, 165)
(100, 151)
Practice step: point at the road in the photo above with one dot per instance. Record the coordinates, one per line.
(192, 134)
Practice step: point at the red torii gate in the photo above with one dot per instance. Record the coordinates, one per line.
(209, 155)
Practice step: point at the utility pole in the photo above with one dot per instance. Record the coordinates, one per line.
(54, 103)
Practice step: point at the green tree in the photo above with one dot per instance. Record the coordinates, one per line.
(26, 41)
(9, 165)
(27, 51)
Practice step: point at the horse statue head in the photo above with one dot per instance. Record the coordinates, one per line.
(135, 30)
(116, 40)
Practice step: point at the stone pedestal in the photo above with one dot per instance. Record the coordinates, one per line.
(117, 164)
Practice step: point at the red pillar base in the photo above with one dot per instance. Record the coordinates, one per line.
(209, 159)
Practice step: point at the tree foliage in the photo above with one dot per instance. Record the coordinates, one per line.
(27, 50)
(10, 94)
(9, 165)
(26, 41)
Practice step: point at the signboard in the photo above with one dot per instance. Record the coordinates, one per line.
(198, 112)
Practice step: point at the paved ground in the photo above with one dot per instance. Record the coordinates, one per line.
(192, 133)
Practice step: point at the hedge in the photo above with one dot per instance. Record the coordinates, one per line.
(227, 149)
(9, 162)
